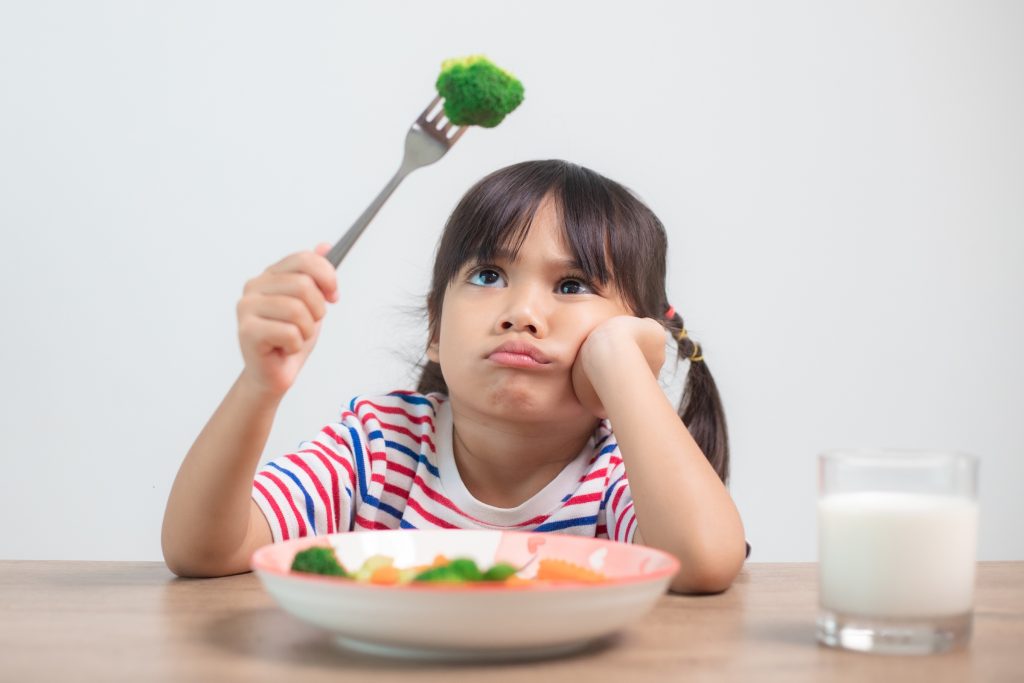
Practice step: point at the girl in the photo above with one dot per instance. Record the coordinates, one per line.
(547, 321)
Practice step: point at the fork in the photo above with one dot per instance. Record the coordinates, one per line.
(427, 141)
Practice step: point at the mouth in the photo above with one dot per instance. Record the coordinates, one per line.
(519, 355)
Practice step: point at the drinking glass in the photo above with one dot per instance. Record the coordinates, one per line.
(897, 538)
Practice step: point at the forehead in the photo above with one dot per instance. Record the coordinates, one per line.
(544, 241)
(541, 236)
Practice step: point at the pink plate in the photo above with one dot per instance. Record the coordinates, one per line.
(476, 621)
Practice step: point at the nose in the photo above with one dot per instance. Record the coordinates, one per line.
(523, 314)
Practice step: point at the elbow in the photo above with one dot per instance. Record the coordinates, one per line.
(193, 568)
(179, 562)
(704, 583)
(189, 564)
(708, 577)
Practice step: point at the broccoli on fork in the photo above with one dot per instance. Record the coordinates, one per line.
(476, 92)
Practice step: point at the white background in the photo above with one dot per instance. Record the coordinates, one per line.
(843, 184)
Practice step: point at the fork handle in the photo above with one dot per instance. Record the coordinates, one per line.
(342, 247)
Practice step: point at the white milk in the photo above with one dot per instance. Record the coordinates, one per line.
(897, 554)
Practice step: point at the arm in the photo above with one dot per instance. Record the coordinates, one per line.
(211, 524)
(681, 505)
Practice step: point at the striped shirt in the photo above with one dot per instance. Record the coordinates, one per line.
(388, 464)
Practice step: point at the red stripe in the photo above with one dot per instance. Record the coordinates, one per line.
(614, 460)
(629, 526)
(585, 498)
(321, 491)
(601, 529)
(618, 495)
(337, 439)
(334, 512)
(437, 497)
(433, 519)
(288, 496)
(273, 506)
(621, 517)
(344, 462)
(401, 469)
(377, 478)
(418, 438)
(367, 524)
(596, 474)
(418, 419)
(396, 491)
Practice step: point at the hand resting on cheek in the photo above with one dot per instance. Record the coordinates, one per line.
(596, 361)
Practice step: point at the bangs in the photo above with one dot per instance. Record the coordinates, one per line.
(496, 216)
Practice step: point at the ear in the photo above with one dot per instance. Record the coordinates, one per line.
(433, 352)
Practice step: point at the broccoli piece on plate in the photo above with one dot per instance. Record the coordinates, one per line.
(476, 92)
(318, 560)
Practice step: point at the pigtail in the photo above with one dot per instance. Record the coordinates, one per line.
(431, 379)
(700, 408)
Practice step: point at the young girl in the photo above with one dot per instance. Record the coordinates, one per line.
(539, 408)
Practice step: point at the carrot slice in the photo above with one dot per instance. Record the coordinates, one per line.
(560, 570)
(384, 575)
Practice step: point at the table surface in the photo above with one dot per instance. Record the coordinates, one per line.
(136, 621)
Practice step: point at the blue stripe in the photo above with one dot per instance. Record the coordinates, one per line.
(309, 501)
(608, 449)
(375, 502)
(608, 493)
(565, 523)
(357, 453)
(415, 399)
(405, 525)
(375, 434)
(418, 457)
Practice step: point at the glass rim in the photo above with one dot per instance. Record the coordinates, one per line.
(903, 455)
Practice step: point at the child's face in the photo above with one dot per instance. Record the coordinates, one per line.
(536, 299)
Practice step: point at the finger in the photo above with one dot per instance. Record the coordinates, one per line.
(322, 250)
(273, 334)
(297, 285)
(313, 265)
(285, 309)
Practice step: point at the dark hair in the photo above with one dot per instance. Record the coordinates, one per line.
(602, 221)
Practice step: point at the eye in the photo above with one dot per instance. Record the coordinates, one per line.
(574, 285)
(484, 277)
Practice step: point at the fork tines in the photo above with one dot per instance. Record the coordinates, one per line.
(437, 125)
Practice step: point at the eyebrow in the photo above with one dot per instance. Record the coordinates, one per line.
(566, 264)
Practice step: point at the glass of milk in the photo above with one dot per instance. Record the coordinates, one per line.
(897, 537)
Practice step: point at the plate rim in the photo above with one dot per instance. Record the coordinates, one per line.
(260, 565)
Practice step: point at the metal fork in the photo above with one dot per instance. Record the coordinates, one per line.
(427, 141)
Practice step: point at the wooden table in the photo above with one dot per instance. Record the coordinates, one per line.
(109, 621)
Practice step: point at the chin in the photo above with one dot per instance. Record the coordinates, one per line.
(529, 401)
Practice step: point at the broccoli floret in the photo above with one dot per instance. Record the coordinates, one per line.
(443, 574)
(476, 92)
(499, 572)
(318, 560)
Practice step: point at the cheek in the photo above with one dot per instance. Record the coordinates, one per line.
(583, 322)
(452, 332)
